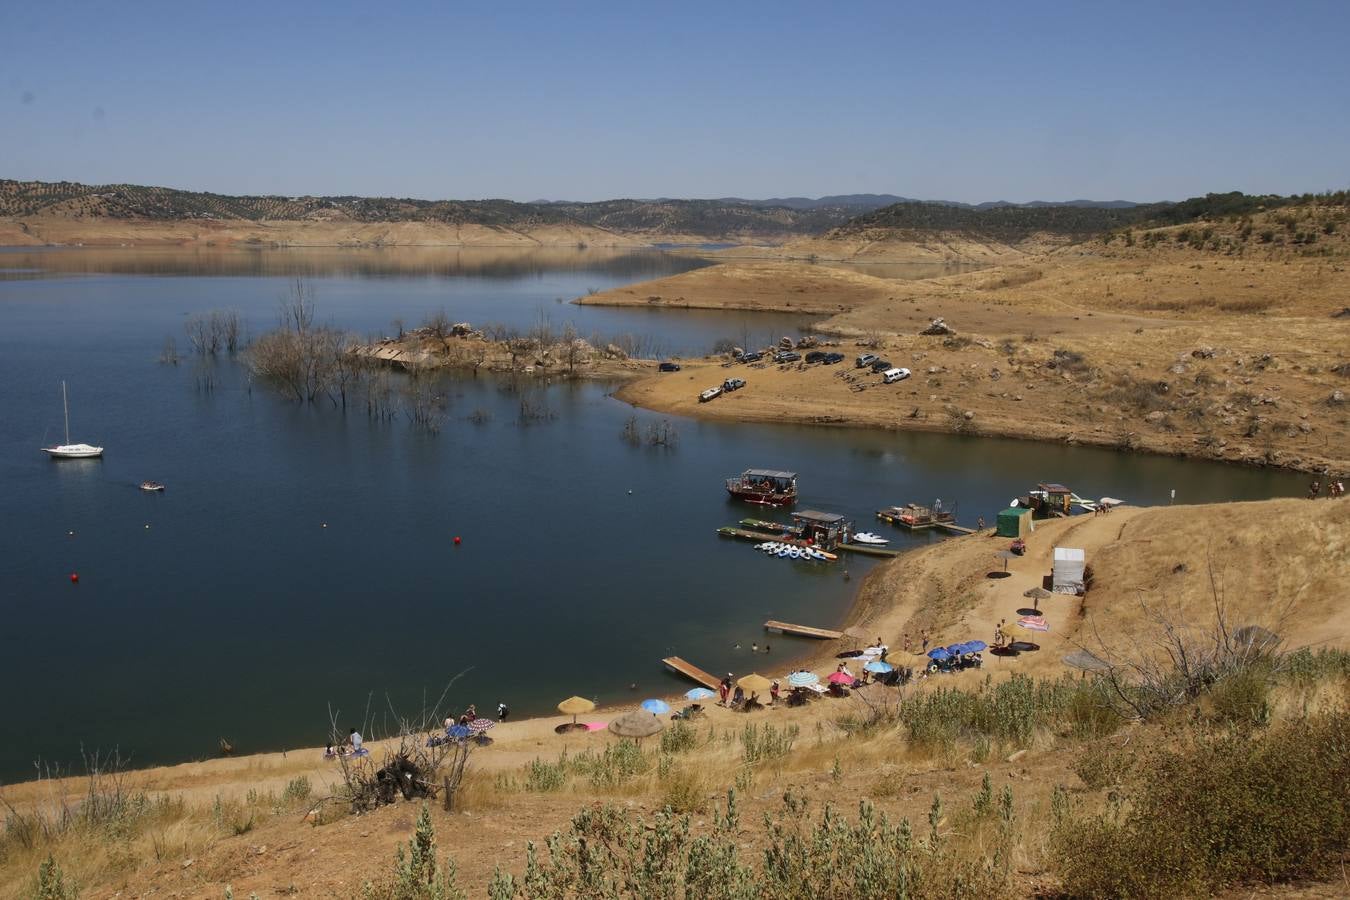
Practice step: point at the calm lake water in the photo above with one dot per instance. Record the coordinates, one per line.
(225, 607)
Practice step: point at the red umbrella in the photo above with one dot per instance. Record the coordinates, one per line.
(840, 678)
(478, 726)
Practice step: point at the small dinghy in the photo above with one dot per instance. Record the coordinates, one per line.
(867, 537)
(151, 486)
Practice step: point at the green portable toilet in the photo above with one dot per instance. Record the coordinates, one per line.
(1014, 522)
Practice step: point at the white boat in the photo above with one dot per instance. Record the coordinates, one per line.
(867, 537)
(151, 486)
(69, 450)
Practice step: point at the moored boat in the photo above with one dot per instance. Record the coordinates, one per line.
(151, 486)
(768, 487)
(69, 450)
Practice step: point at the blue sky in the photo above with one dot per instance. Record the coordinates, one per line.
(965, 101)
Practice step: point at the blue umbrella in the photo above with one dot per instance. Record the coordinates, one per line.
(939, 653)
(976, 646)
(458, 732)
(877, 665)
(803, 679)
(958, 649)
(699, 693)
(656, 707)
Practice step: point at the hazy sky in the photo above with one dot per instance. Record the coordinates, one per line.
(953, 100)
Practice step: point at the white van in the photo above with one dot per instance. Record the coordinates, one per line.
(894, 375)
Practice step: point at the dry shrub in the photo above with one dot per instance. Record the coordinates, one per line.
(1218, 811)
(1247, 305)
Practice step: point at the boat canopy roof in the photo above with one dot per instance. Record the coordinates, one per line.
(1052, 488)
(811, 515)
(769, 473)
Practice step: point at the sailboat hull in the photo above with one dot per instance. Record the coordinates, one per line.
(73, 451)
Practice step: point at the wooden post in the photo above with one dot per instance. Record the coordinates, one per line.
(449, 800)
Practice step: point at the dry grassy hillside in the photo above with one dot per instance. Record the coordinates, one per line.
(1206, 346)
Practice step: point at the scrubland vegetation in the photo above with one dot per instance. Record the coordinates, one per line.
(1239, 780)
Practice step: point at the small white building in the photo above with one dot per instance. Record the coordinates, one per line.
(1067, 576)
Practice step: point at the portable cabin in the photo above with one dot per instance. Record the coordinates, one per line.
(1015, 522)
(1067, 575)
(769, 487)
(824, 530)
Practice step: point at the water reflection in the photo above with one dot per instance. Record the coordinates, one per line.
(361, 262)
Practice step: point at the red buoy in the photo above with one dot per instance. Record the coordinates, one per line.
(74, 577)
(456, 539)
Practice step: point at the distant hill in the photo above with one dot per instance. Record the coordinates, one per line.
(1002, 222)
(712, 219)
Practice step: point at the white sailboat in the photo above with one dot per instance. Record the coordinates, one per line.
(69, 450)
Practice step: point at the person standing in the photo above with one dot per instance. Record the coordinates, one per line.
(925, 641)
(773, 693)
(354, 740)
(502, 712)
(724, 689)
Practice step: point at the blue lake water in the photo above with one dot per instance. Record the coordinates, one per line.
(303, 558)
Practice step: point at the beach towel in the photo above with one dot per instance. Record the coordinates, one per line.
(596, 726)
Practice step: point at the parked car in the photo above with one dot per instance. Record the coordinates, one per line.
(669, 367)
(709, 394)
(865, 360)
(786, 356)
(894, 375)
(882, 365)
(753, 356)
(732, 384)
(815, 356)
(832, 358)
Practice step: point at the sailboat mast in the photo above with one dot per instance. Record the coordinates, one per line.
(65, 405)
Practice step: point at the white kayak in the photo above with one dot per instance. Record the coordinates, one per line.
(867, 537)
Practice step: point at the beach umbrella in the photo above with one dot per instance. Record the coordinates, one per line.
(1033, 623)
(754, 683)
(976, 646)
(803, 679)
(1037, 593)
(699, 693)
(636, 725)
(656, 707)
(478, 726)
(458, 732)
(939, 653)
(840, 678)
(878, 666)
(957, 649)
(575, 706)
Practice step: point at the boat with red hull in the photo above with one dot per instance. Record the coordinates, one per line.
(766, 487)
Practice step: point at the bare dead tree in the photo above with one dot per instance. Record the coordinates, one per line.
(417, 760)
(1177, 659)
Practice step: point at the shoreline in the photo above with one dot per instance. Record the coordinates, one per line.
(941, 589)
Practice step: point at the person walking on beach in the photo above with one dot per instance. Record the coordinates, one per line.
(502, 712)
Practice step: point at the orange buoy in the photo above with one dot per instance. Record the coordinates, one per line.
(456, 540)
(74, 577)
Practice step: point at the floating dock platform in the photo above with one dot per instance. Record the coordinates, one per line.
(691, 671)
(760, 537)
(868, 549)
(773, 626)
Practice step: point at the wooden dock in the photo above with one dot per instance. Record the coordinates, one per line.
(743, 534)
(773, 626)
(690, 671)
(868, 549)
(956, 529)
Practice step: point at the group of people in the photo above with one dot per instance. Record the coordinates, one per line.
(353, 746)
(471, 713)
(1335, 489)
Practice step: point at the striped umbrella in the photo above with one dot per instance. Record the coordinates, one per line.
(878, 666)
(656, 707)
(478, 726)
(803, 679)
(699, 693)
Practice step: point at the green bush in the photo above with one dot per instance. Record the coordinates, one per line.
(51, 883)
(417, 875)
(1215, 812)
(678, 738)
